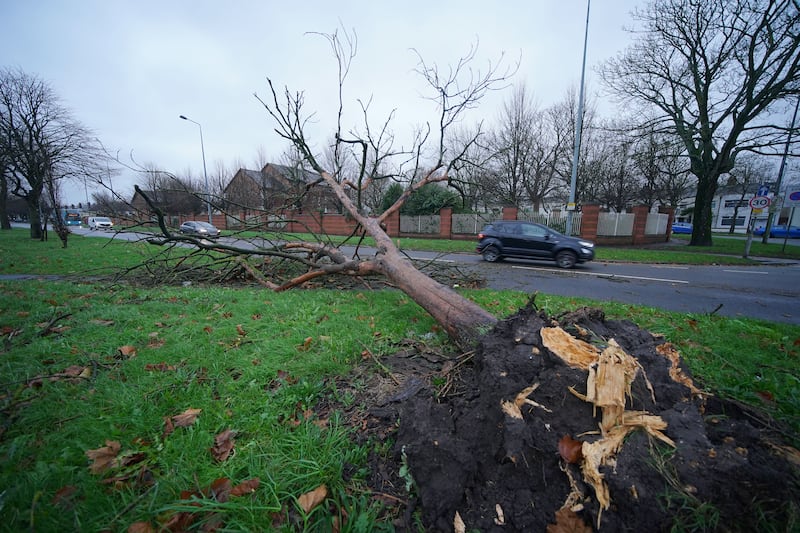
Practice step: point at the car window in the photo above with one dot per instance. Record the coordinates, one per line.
(533, 231)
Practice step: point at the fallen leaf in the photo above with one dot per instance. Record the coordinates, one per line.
(168, 427)
(220, 489)
(567, 521)
(306, 345)
(101, 322)
(160, 367)
(127, 351)
(246, 487)
(208, 329)
(104, 458)
(64, 496)
(141, 527)
(309, 500)
(186, 418)
(240, 330)
(570, 449)
(223, 445)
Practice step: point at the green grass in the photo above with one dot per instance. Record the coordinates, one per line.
(258, 363)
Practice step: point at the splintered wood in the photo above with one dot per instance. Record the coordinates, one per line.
(575, 352)
(610, 375)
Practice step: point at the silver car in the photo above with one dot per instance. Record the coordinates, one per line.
(199, 229)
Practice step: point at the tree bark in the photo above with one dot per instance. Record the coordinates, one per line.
(462, 319)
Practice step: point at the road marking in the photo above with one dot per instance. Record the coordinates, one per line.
(432, 260)
(599, 275)
(746, 271)
(672, 267)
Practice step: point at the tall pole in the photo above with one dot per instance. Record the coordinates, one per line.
(765, 238)
(205, 174)
(578, 127)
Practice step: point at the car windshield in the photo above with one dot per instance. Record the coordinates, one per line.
(102, 219)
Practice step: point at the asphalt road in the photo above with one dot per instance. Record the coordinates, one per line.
(768, 291)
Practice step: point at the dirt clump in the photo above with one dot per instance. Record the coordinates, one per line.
(513, 438)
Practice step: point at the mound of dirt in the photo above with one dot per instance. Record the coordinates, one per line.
(527, 434)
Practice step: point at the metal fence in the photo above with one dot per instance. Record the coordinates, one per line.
(472, 223)
(556, 221)
(420, 224)
(615, 224)
(656, 224)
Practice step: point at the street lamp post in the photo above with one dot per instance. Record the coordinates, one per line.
(205, 174)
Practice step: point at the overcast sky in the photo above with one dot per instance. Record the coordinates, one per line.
(127, 70)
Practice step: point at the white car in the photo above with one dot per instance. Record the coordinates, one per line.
(103, 223)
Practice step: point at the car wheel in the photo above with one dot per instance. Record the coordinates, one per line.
(491, 254)
(566, 259)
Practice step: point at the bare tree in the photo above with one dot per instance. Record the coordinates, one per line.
(715, 72)
(750, 171)
(42, 142)
(460, 318)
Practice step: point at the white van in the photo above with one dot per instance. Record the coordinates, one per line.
(103, 223)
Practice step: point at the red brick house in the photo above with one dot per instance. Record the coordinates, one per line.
(277, 188)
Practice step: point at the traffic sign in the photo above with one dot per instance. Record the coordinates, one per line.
(760, 202)
(792, 198)
(763, 190)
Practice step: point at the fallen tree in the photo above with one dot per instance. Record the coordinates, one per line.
(462, 319)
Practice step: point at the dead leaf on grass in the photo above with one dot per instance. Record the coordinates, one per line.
(126, 352)
(223, 445)
(101, 322)
(310, 500)
(246, 487)
(104, 457)
(159, 367)
(306, 345)
(186, 418)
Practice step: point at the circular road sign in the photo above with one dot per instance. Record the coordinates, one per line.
(760, 202)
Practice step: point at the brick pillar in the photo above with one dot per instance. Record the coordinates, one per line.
(671, 212)
(639, 223)
(446, 222)
(510, 213)
(590, 215)
(393, 224)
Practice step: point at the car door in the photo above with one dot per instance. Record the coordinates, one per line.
(536, 241)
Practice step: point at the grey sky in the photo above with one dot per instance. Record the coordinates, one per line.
(127, 70)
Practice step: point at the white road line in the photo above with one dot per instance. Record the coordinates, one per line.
(746, 271)
(434, 260)
(671, 267)
(599, 275)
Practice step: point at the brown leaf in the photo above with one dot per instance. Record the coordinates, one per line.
(208, 329)
(101, 322)
(306, 345)
(246, 487)
(64, 495)
(570, 449)
(104, 457)
(240, 330)
(220, 489)
(141, 527)
(568, 522)
(160, 367)
(309, 500)
(168, 427)
(223, 445)
(126, 352)
(186, 418)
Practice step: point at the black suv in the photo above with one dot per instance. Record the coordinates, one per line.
(517, 238)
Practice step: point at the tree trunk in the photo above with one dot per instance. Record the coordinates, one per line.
(462, 319)
(702, 217)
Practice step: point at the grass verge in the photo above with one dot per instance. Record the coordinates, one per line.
(156, 383)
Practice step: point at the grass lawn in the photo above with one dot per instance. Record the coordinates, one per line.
(122, 405)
